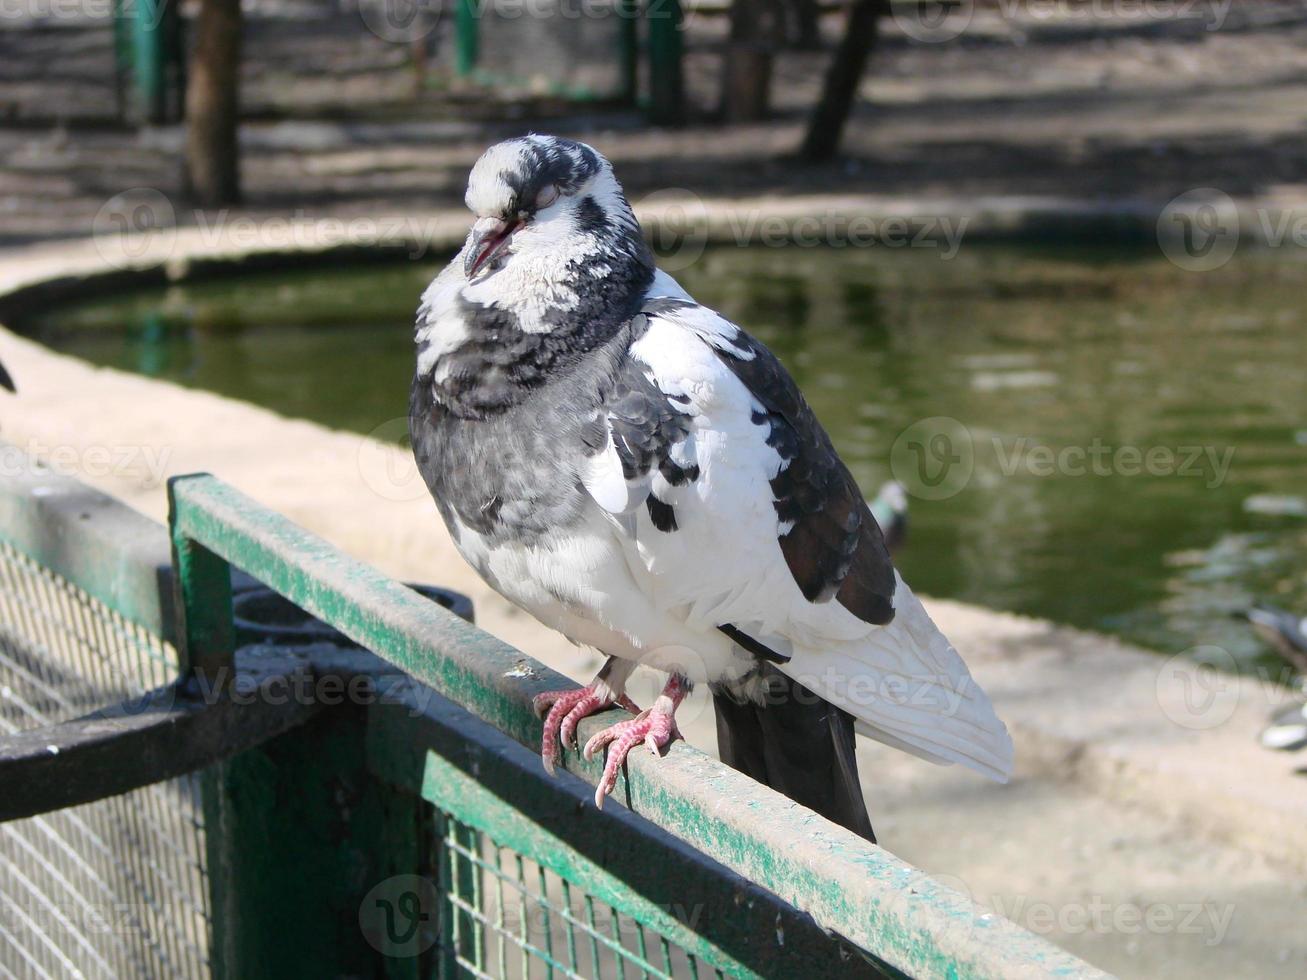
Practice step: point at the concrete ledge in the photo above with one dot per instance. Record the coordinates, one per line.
(1174, 736)
(677, 219)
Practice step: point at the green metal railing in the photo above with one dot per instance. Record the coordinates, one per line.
(409, 828)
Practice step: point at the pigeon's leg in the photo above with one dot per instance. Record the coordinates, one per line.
(566, 708)
(655, 727)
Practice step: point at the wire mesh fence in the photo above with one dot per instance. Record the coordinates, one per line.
(410, 835)
(115, 888)
(510, 918)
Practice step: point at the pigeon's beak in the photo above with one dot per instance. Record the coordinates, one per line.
(489, 237)
(5, 380)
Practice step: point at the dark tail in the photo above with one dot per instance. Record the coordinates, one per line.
(797, 744)
(5, 380)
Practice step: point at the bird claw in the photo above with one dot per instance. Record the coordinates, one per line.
(562, 712)
(654, 727)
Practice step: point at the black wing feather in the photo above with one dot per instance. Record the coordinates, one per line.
(834, 548)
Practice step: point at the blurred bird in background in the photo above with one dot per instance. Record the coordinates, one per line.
(1287, 635)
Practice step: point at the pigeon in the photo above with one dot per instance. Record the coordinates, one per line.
(890, 508)
(1287, 634)
(1287, 731)
(642, 475)
(1284, 631)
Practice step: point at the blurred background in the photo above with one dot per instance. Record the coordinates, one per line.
(1031, 285)
(1040, 262)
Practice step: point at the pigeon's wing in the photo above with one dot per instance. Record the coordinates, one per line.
(732, 503)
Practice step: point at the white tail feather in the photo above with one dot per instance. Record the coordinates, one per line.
(907, 687)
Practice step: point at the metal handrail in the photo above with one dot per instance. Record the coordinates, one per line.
(858, 890)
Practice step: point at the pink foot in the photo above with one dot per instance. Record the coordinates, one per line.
(565, 711)
(655, 727)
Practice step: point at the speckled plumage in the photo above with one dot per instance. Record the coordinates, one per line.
(641, 474)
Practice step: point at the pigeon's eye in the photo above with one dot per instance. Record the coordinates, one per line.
(547, 196)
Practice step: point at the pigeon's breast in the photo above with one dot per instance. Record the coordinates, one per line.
(510, 477)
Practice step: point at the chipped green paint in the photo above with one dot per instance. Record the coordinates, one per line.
(202, 594)
(857, 890)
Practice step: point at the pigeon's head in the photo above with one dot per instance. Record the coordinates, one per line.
(544, 196)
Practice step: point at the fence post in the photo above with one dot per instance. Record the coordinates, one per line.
(666, 85)
(298, 832)
(301, 836)
(156, 60)
(628, 49)
(466, 41)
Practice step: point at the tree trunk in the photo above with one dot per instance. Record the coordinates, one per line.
(212, 105)
(826, 125)
(746, 73)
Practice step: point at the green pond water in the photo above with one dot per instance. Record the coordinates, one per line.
(1099, 438)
